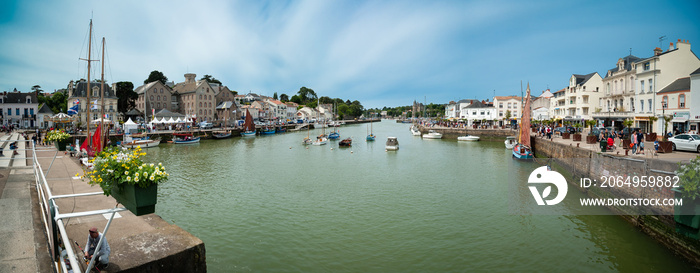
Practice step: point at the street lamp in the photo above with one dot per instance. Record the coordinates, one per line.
(663, 115)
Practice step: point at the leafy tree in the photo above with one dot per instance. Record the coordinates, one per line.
(284, 97)
(209, 79)
(274, 96)
(307, 95)
(326, 100)
(296, 99)
(156, 76)
(126, 97)
(37, 88)
(56, 102)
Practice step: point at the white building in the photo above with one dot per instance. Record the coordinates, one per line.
(618, 100)
(657, 72)
(557, 104)
(694, 121)
(477, 112)
(307, 113)
(582, 96)
(675, 97)
(291, 110)
(19, 109)
(278, 110)
(504, 104)
(451, 110)
(540, 106)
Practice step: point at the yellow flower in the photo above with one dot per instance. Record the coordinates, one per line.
(136, 179)
(128, 178)
(136, 174)
(126, 172)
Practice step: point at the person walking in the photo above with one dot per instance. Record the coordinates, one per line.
(634, 142)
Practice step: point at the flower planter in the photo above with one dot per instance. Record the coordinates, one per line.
(651, 137)
(534, 130)
(665, 147)
(566, 135)
(61, 145)
(591, 139)
(687, 217)
(626, 144)
(138, 200)
(577, 137)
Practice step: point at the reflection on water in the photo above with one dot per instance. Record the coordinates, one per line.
(271, 204)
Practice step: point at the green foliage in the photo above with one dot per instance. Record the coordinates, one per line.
(57, 102)
(274, 97)
(156, 76)
(590, 123)
(667, 119)
(689, 177)
(284, 97)
(208, 78)
(126, 97)
(306, 95)
(508, 115)
(113, 167)
(628, 123)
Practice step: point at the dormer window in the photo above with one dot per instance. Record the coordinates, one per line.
(29, 100)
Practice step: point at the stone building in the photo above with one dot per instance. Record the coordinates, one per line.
(77, 93)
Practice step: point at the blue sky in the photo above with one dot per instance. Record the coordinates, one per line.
(382, 53)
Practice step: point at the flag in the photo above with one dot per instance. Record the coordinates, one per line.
(94, 105)
(76, 101)
(96, 143)
(106, 116)
(73, 110)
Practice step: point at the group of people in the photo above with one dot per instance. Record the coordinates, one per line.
(545, 131)
(608, 138)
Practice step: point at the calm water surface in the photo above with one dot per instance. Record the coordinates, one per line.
(271, 204)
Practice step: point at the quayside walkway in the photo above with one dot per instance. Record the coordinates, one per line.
(138, 243)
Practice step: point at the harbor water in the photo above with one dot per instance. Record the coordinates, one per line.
(270, 204)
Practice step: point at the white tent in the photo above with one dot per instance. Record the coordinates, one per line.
(178, 120)
(156, 121)
(129, 125)
(170, 121)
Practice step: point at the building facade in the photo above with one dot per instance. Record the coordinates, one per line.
(19, 109)
(77, 94)
(153, 97)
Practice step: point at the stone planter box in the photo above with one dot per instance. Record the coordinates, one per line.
(591, 139)
(577, 137)
(566, 135)
(665, 147)
(138, 200)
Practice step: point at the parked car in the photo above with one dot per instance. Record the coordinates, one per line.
(206, 125)
(559, 130)
(688, 142)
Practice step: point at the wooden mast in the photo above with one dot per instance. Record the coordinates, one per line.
(89, 140)
(102, 95)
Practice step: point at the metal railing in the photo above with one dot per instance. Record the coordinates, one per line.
(47, 202)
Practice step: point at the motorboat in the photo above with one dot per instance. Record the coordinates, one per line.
(180, 138)
(510, 142)
(321, 140)
(345, 142)
(468, 138)
(415, 131)
(221, 134)
(392, 144)
(432, 134)
(144, 143)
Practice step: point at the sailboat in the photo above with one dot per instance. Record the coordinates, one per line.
(522, 149)
(248, 126)
(371, 136)
(307, 140)
(321, 139)
(90, 145)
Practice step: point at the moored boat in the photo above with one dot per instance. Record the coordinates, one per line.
(345, 142)
(144, 143)
(510, 142)
(392, 144)
(248, 126)
(415, 131)
(432, 134)
(468, 138)
(522, 150)
(185, 138)
(221, 134)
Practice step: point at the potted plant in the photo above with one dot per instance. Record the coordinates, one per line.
(59, 138)
(566, 134)
(652, 136)
(627, 141)
(666, 146)
(687, 216)
(123, 175)
(577, 135)
(591, 138)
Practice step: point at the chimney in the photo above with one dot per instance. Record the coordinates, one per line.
(189, 77)
(670, 47)
(657, 51)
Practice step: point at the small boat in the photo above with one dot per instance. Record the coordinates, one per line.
(321, 140)
(522, 149)
(510, 142)
(144, 143)
(281, 129)
(432, 134)
(392, 144)
(345, 142)
(248, 126)
(307, 141)
(221, 134)
(468, 138)
(268, 131)
(415, 131)
(334, 135)
(180, 138)
(371, 136)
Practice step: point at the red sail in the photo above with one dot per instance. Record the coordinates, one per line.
(249, 126)
(525, 123)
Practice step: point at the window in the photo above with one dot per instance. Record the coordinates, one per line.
(161, 90)
(651, 86)
(607, 89)
(641, 106)
(641, 83)
(17, 112)
(200, 104)
(474, 113)
(646, 66)
(9, 111)
(664, 102)
(649, 103)
(632, 104)
(681, 101)
(151, 97)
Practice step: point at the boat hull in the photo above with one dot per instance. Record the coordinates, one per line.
(392, 148)
(468, 138)
(524, 153)
(142, 143)
(189, 141)
(221, 136)
(248, 134)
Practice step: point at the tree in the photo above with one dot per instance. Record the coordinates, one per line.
(326, 100)
(274, 96)
(126, 97)
(156, 76)
(56, 102)
(296, 99)
(210, 79)
(37, 88)
(284, 97)
(307, 95)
